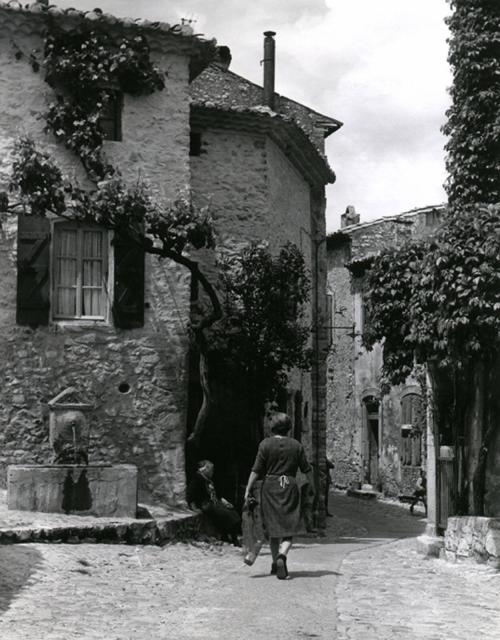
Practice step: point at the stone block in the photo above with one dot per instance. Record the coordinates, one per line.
(362, 495)
(100, 490)
(430, 546)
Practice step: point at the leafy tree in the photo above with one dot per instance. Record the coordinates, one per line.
(252, 349)
(438, 302)
(473, 124)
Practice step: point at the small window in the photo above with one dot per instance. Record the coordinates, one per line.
(79, 273)
(110, 120)
(432, 218)
(195, 143)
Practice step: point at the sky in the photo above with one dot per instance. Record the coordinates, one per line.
(378, 66)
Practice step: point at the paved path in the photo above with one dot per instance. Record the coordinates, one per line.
(363, 582)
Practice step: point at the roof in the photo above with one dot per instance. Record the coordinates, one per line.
(32, 18)
(221, 88)
(399, 217)
(283, 130)
(365, 240)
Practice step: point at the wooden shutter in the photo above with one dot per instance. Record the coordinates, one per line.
(128, 298)
(33, 264)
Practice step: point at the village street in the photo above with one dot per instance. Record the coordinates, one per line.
(363, 581)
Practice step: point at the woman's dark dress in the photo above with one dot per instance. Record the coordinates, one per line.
(277, 462)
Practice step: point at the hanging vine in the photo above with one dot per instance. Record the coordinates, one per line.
(88, 69)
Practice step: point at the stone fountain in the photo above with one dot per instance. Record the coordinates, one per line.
(70, 484)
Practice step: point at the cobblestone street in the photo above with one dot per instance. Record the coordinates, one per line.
(364, 581)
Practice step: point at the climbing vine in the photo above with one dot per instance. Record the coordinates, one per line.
(473, 125)
(439, 303)
(88, 69)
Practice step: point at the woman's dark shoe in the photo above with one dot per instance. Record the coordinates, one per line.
(274, 569)
(281, 570)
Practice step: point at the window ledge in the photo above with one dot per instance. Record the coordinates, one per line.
(69, 325)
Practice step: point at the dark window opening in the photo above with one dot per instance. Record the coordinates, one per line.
(194, 143)
(432, 218)
(110, 120)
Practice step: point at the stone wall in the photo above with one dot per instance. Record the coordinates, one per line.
(146, 424)
(255, 193)
(473, 538)
(354, 373)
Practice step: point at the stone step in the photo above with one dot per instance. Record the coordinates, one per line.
(363, 494)
(158, 532)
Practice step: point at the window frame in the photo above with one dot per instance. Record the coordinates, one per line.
(108, 280)
(115, 105)
(411, 434)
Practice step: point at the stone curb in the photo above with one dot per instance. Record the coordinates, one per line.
(156, 532)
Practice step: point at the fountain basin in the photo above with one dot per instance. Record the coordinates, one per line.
(99, 490)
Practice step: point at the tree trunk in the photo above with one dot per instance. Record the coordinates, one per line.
(477, 433)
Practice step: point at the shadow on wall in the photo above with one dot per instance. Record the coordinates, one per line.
(17, 565)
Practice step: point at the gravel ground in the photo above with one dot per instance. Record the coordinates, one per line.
(363, 581)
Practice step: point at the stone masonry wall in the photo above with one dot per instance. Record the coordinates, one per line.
(254, 193)
(343, 441)
(473, 538)
(353, 372)
(144, 426)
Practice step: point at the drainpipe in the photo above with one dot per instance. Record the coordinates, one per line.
(269, 63)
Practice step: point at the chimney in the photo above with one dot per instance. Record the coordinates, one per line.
(349, 218)
(269, 62)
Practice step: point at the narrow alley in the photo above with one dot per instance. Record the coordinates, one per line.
(363, 581)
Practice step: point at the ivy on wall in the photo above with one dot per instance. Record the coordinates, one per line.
(87, 69)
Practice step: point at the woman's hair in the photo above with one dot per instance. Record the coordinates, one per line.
(280, 424)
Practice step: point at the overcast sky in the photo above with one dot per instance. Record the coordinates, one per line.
(379, 66)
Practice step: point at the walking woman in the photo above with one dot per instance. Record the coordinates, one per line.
(277, 461)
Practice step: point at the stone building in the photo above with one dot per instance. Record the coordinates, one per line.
(128, 357)
(372, 437)
(258, 160)
(256, 157)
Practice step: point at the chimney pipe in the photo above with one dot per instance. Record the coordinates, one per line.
(269, 66)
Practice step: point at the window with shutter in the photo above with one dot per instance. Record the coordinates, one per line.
(65, 275)
(33, 270)
(128, 293)
(80, 273)
(411, 431)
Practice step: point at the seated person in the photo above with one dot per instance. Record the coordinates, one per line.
(420, 492)
(201, 495)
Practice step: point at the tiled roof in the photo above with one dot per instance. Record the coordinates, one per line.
(283, 129)
(399, 217)
(223, 89)
(31, 19)
(95, 16)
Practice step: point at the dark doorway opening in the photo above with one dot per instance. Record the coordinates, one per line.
(372, 443)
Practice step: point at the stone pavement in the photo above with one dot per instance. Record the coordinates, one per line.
(363, 581)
